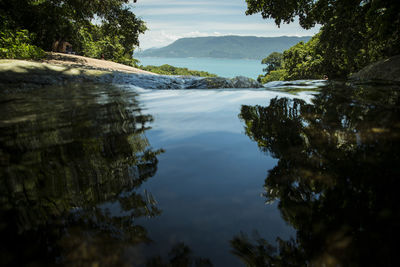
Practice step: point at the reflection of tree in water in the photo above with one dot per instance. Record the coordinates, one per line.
(63, 153)
(336, 179)
(179, 256)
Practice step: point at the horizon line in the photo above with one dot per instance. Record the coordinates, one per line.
(227, 35)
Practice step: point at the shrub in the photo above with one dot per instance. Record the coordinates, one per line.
(95, 44)
(17, 44)
(171, 70)
(274, 75)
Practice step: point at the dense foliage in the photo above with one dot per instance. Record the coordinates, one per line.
(273, 75)
(302, 61)
(171, 70)
(18, 45)
(353, 33)
(109, 27)
(273, 61)
(97, 44)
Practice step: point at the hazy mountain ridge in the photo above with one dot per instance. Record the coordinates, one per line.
(246, 47)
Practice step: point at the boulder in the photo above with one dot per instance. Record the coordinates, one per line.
(387, 70)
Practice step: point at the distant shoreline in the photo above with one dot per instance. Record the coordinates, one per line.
(229, 47)
(213, 58)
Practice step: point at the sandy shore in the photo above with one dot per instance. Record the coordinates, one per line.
(89, 63)
(60, 68)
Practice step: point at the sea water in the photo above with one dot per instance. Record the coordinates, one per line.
(223, 67)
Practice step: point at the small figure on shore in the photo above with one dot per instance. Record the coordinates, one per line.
(102, 56)
(326, 77)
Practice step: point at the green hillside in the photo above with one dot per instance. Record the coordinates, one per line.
(249, 47)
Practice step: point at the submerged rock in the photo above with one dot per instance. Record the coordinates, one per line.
(383, 70)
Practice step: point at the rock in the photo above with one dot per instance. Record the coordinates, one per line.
(24, 72)
(164, 82)
(217, 82)
(220, 82)
(382, 70)
(244, 82)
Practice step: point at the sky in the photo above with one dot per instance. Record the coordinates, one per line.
(169, 20)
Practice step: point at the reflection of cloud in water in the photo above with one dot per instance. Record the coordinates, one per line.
(183, 113)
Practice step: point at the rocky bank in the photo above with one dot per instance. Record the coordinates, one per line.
(61, 69)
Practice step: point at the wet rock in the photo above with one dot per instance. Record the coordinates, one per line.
(220, 82)
(244, 82)
(184, 82)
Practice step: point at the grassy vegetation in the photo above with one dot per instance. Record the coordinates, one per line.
(171, 70)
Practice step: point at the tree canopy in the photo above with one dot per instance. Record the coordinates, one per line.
(353, 33)
(76, 21)
(301, 61)
(273, 61)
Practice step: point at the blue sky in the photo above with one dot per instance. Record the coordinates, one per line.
(169, 20)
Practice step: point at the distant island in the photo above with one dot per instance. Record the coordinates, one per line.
(235, 47)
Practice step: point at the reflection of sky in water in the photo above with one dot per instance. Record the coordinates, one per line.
(76, 147)
(182, 113)
(210, 179)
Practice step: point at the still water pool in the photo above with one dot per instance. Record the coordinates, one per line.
(124, 176)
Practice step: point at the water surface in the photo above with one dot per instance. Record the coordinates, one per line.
(112, 175)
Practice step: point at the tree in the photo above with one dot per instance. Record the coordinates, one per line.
(305, 61)
(273, 62)
(301, 61)
(353, 33)
(62, 20)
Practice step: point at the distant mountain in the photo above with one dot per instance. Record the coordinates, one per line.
(246, 47)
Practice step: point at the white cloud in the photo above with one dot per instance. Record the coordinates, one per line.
(170, 20)
(188, 10)
(152, 3)
(163, 38)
